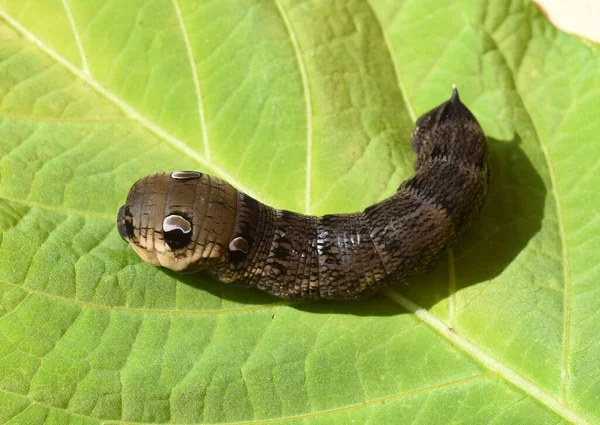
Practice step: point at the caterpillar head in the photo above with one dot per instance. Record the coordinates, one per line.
(449, 132)
(171, 220)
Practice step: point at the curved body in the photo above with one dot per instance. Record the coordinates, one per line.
(188, 221)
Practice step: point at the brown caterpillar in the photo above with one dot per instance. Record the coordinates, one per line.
(189, 221)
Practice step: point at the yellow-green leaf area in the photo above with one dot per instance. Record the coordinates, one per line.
(306, 105)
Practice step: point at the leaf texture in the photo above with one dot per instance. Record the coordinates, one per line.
(306, 105)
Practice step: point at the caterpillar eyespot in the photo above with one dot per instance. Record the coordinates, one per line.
(189, 221)
(177, 231)
(239, 244)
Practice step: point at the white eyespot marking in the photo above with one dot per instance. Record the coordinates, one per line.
(239, 244)
(186, 175)
(176, 222)
(177, 231)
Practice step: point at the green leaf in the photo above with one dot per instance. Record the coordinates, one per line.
(307, 106)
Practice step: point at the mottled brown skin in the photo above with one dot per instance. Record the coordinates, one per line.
(213, 226)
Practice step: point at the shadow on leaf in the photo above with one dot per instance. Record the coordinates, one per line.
(510, 218)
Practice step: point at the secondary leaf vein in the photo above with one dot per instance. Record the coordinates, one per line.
(70, 211)
(84, 64)
(300, 417)
(148, 310)
(309, 113)
(199, 98)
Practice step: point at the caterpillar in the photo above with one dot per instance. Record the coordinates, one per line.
(189, 221)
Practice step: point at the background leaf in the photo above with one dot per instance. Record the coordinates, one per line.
(307, 106)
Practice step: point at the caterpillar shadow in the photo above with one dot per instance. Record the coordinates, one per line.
(511, 216)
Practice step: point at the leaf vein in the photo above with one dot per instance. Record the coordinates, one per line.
(194, 68)
(84, 64)
(71, 211)
(15, 308)
(65, 120)
(486, 359)
(309, 113)
(148, 310)
(561, 229)
(332, 411)
(121, 104)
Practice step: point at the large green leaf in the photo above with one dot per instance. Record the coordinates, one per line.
(307, 106)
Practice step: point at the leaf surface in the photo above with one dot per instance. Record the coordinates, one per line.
(307, 106)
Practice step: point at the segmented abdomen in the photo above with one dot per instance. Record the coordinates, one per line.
(349, 255)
